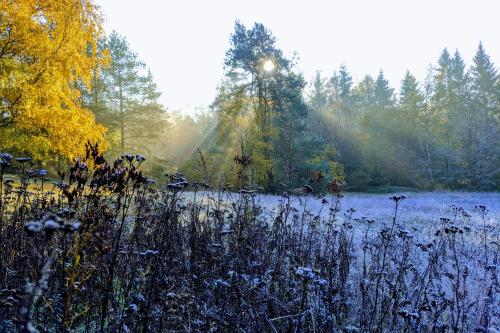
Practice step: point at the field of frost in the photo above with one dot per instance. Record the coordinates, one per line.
(420, 209)
(104, 249)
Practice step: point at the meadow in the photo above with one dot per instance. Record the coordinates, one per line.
(105, 249)
(420, 208)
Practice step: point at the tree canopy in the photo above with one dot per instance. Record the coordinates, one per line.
(64, 82)
(47, 49)
(439, 133)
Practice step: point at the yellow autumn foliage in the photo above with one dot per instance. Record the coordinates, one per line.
(47, 49)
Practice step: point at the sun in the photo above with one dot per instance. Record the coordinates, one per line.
(269, 65)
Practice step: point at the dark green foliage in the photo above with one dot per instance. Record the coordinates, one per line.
(442, 134)
(263, 111)
(124, 98)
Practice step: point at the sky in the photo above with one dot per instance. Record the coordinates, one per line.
(183, 42)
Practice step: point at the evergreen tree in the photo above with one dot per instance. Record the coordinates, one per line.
(411, 98)
(345, 82)
(261, 106)
(125, 98)
(123, 81)
(340, 97)
(364, 94)
(484, 129)
(460, 121)
(321, 126)
(383, 98)
(414, 129)
(131, 97)
(441, 102)
(383, 94)
(291, 145)
(318, 96)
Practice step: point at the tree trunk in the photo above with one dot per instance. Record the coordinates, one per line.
(122, 121)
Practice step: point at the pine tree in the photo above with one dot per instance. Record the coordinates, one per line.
(414, 128)
(484, 132)
(410, 97)
(290, 144)
(131, 97)
(345, 82)
(318, 96)
(263, 108)
(364, 94)
(383, 99)
(442, 101)
(383, 93)
(123, 82)
(460, 122)
(125, 98)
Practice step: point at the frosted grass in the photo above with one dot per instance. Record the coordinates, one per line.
(420, 208)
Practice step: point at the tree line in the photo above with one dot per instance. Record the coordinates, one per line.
(440, 133)
(65, 82)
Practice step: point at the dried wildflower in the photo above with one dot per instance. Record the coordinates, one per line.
(6, 156)
(398, 198)
(174, 187)
(33, 227)
(444, 220)
(50, 225)
(71, 226)
(5, 159)
(129, 157)
(305, 272)
(243, 159)
(140, 158)
(481, 209)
